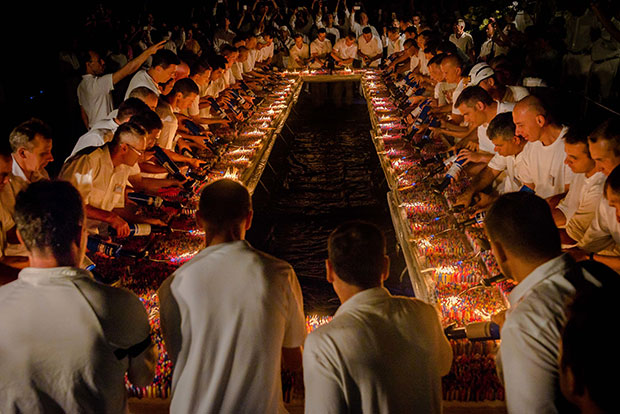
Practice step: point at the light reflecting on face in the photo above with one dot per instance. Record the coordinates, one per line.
(603, 155)
(577, 158)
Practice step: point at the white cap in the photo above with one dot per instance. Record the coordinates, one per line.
(480, 72)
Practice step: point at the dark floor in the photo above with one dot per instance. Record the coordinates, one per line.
(325, 171)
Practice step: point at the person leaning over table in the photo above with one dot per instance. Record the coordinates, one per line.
(526, 244)
(380, 353)
(67, 342)
(100, 174)
(9, 265)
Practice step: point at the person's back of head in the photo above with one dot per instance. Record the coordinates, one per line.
(130, 107)
(145, 94)
(608, 131)
(217, 62)
(185, 87)
(165, 58)
(502, 126)
(521, 223)
(129, 133)
(24, 134)
(49, 216)
(357, 254)
(223, 207)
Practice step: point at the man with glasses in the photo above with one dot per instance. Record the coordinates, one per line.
(100, 175)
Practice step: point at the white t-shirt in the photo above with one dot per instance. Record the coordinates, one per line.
(345, 52)
(544, 167)
(603, 234)
(508, 164)
(423, 62)
(581, 202)
(393, 47)
(515, 94)
(167, 137)
(379, 354)
(441, 88)
(465, 42)
(94, 96)
(142, 78)
(455, 95)
(370, 49)
(237, 309)
(295, 52)
(95, 137)
(414, 61)
(60, 329)
(484, 143)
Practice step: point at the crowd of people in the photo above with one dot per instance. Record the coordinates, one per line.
(232, 317)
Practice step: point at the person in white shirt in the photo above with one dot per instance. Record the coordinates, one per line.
(601, 240)
(232, 316)
(543, 168)
(478, 109)
(95, 137)
(526, 245)
(490, 48)
(463, 40)
(345, 50)
(357, 28)
(94, 90)
(380, 353)
(574, 213)
(483, 75)
(101, 177)
(393, 41)
(9, 265)
(320, 48)
(369, 48)
(508, 149)
(452, 67)
(299, 53)
(162, 69)
(48, 363)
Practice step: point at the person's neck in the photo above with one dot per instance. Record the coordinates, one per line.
(591, 172)
(490, 112)
(45, 261)
(522, 268)
(347, 291)
(115, 157)
(26, 171)
(224, 237)
(550, 134)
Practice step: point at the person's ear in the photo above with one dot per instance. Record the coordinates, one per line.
(20, 238)
(480, 106)
(248, 220)
(21, 152)
(500, 251)
(385, 272)
(540, 120)
(329, 271)
(490, 82)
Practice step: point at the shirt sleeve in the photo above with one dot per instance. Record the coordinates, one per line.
(523, 170)
(597, 236)
(498, 163)
(295, 331)
(581, 219)
(324, 390)
(81, 174)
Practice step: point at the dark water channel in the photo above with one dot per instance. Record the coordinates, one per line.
(323, 171)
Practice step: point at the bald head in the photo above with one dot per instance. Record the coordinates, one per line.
(531, 104)
(182, 71)
(452, 68)
(530, 117)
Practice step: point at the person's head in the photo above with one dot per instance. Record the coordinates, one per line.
(6, 163)
(50, 221)
(411, 32)
(201, 72)
(612, 191)
(584, 369)
(250, 42)
(356, 257)
(501, 132)
(152, 125)
(434, 68)
(416, 20)
(363, 19)
(474, 103)
(299, 39)
(130, 107)
(128, 144)
(452, 68)
(479, 73)
(321, 34)
(393, 33)
(367, 34)
(577, 153)
(218, 65)
(93, 63)
(410, 47)
(531, 118)
(521, 230)
(163, 66)
(604, 145)
(243, 54)
(225, 210)
(349, 39)
(231, 54)
(183, 93)
(146, 95)
(31, 142)
(284, 32)
(423, 38)
(181, 71)
(459, 27)
(490, 30)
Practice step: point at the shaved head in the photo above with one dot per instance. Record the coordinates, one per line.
(533, 104)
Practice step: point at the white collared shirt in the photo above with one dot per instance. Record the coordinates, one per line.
(343, 51)
(580, 204)
(528, 354)
(241, 305)
(94, 96)
(142, 78)
(544, 167)
(60, 329)
(379, 354)
(371, 49)
(508, 164)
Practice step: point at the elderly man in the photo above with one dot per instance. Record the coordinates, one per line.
(101, 174)
(67, 342)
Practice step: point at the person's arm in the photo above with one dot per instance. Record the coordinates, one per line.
(84, 117)
(151, 185)
(611, 261)
(114, 220)
(134, 64)
(321, 380)
(558, 217)
(481, 181)
(141, 369)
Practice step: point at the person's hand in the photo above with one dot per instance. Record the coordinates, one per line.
(120, 226)
(472, 146)
(499, 318)
(153, 49)
(465, 198)
(484, 201)
(195, 163)
(468, 156)
(153, 221)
